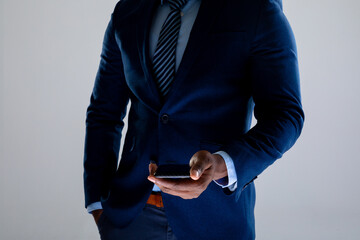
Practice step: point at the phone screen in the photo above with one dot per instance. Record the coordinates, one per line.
(173, 171)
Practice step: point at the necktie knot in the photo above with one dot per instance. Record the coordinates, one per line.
(176, 4)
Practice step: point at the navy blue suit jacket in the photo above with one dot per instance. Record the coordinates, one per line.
(240, 54)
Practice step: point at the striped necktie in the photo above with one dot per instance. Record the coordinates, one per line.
(164, 56)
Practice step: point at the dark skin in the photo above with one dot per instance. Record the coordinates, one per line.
(96, 214)
(204, 168)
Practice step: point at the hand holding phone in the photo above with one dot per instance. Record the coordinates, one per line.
(177, 180)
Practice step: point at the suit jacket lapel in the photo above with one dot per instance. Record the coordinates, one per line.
(147, 11)
(199, 33)
(208, 12)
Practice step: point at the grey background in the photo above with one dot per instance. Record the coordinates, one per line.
(49, 57)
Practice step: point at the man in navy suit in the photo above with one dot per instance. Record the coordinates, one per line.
(231, 57)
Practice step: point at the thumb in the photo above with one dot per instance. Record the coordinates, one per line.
(196, 172)
(198, 166)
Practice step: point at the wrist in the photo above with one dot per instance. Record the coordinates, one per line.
(96, 214)
(220, 167)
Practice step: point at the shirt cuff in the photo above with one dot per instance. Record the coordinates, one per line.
(94, 206)
(232, 177)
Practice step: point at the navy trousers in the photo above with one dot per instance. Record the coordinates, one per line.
(151, 224)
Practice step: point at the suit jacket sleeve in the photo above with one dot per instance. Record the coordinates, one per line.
(276, 94)
(104, 121)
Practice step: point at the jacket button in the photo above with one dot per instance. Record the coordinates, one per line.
(164, 118)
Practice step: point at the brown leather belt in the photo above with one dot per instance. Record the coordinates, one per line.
(155, 199)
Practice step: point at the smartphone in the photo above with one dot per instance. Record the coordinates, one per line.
(173, 171)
